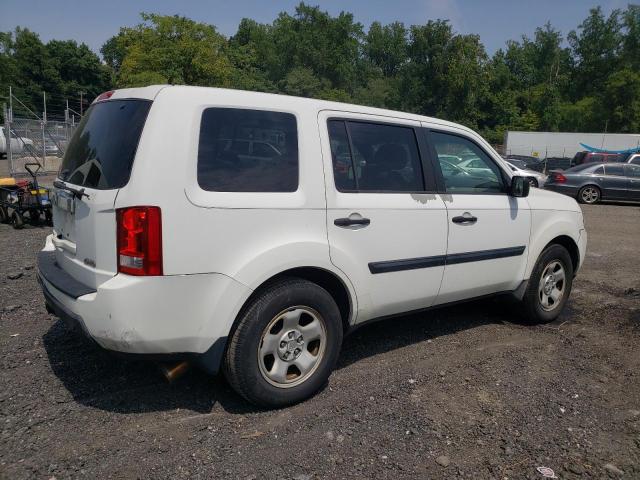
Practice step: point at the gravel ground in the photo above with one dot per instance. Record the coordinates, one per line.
(458, 392)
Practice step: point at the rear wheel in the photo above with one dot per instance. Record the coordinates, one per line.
(549, 285)
(4, 216)
(34, 217)
(589, 194)
(285, 345)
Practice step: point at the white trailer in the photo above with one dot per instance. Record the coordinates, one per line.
(565, 144)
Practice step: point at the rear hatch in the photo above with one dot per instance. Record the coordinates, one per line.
(97, 163)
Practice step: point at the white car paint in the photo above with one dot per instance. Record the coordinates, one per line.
(219, 247)
(17, 143)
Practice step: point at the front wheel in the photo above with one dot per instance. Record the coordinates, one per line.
(589, 194)
(285, 345)
(549, 285)
(17, 220)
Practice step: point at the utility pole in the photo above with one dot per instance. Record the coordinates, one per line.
(81, 105)
(44, 123)
(9, 121)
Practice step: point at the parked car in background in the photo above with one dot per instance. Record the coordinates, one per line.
(18, 144)
(633, 159)
(526, 162)
(51, 148)
(176, 236)
(536, 179)
(592, 182)
(597, 157)
(475, 166)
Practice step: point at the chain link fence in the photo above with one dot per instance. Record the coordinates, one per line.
(32, 138)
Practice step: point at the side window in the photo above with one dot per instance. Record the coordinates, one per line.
(370, 157)
(476, 173)
(632, 170)
(247, 151)
(613, 169)
(599, 171)
(635, 160)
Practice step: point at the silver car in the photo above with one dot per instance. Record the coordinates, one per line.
(535, 179)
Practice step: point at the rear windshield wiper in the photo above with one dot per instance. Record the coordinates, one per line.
(77, 192)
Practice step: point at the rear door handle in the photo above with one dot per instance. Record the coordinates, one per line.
(348, 222)
(465, 219)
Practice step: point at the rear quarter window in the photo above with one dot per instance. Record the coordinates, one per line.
(242, 150)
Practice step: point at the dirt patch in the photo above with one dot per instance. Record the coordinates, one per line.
(462, 392)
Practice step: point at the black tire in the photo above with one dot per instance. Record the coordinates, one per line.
(17, 220)
(48, 216)
(533, 307)
(241, 364)
(4, 216)
(34, 217)
(589, 199)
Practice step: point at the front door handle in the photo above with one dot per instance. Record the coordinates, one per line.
(349, 222)
(465, 219)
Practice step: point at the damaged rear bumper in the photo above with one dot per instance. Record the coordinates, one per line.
(163, 318)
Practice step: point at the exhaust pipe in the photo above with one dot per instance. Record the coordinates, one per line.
(173, 372)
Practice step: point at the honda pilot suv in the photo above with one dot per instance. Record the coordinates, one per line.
(175, 239)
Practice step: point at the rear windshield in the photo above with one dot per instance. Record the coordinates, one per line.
(579, 168)
(100, 154)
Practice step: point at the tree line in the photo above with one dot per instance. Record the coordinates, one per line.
(589, 83)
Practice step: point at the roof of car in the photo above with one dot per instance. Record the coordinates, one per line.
(152, 91)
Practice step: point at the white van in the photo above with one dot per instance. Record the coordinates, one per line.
(250, 232)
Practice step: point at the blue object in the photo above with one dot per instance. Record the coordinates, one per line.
(602, 150)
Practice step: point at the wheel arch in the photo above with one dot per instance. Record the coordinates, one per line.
(571, 246)
(559, 228)
(329, 280)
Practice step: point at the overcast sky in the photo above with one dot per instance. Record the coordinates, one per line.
(496, 21)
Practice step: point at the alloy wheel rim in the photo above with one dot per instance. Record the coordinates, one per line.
(590, 195)
(292, 346)
(551, 287)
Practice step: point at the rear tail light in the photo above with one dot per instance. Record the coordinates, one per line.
(558, 178)
(139, 240)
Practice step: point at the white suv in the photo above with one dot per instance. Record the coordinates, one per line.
(171, 240)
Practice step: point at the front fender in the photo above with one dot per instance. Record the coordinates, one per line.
(548, 225)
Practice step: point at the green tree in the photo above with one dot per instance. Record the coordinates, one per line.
(169, 49)
(445, 75)
(596, 50)
(631, 37)
(621, 101)
(386, 47)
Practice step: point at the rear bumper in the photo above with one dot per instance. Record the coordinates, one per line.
(188, 315)
(567, 190)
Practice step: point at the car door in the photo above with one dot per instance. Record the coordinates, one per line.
(488, 229)
(387, 227)
(632, 173)
(615, 183)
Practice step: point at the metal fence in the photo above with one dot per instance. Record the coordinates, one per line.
(32, 138)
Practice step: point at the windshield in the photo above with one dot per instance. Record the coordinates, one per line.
(100, 154)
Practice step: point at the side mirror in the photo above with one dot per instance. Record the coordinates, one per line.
(519, 187)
